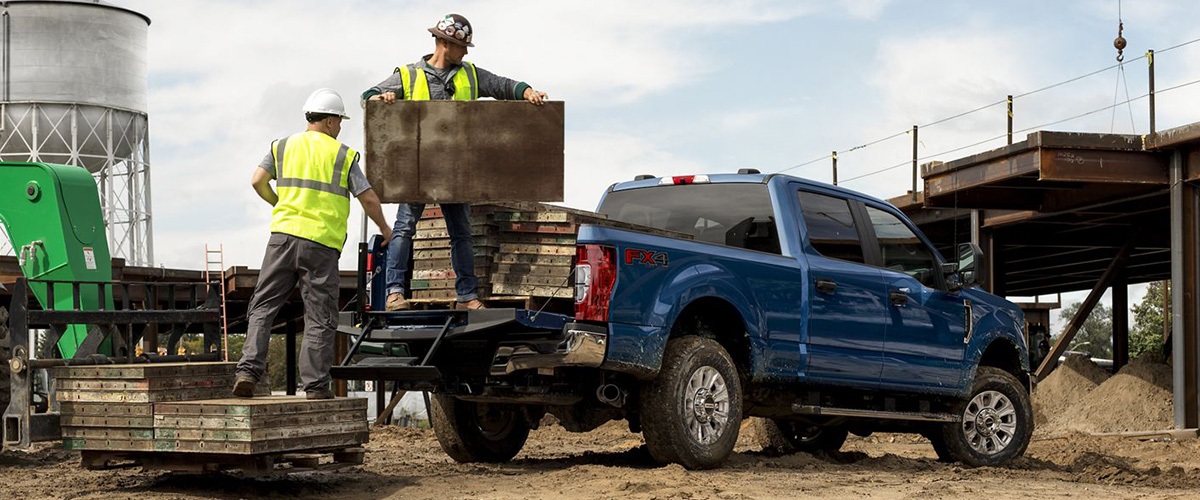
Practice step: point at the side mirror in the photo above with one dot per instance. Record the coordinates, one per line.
(970, 260)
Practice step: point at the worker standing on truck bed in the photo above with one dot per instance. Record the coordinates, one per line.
(443, 75)
(315, 175)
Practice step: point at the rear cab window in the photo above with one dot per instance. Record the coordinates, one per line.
(831, 229)
(731, 214)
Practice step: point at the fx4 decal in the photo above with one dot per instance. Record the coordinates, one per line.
(645, 257)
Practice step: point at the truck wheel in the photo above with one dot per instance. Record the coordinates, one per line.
(692, 410)
(997, 421)
(478, 432)
(812, 438)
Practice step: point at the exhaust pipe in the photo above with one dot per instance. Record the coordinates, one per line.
(611, 395)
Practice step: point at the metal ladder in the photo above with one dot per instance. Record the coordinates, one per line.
(219, 255)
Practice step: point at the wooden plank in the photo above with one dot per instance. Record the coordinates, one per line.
(533, 217)
(442, 233)
(106, 409)
(143, 397)
(443, 294)
(434, 210)
(107, 433)
(260, 434)
(539, 227)
(541, 260)
(532, 269)
(267, 405)
(256, 421)
(109, 444)
(445, 254)
(444, 284)
(142, 370)
(480, 261)
(534, 291)
(150, 384)
(476, 151)
(523, 248)
(476, 220)
(538, 239)
(479, 241)
(68, 420)
(525, 279)
(259, 447)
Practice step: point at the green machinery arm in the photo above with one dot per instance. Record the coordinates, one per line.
(54, 222)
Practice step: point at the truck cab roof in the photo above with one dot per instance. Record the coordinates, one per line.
(755, 178)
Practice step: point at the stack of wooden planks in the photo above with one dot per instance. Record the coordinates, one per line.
(271, 424)
(537, 249)
(170, 408)
(111, 407)
(433, 274)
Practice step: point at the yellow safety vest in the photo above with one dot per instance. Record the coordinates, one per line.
(312, 172)
(416, 83)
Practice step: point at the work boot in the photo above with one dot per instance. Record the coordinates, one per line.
(470, 305)
(243, 386)
(397, 302)
(318, 394)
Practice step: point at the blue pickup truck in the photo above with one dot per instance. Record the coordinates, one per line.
(819, 308)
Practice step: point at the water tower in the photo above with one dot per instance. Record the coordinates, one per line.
(73, 91)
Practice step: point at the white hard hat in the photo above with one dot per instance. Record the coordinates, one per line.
(326, 100)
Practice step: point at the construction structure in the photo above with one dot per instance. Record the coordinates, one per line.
(73, 92)
(1062, 212)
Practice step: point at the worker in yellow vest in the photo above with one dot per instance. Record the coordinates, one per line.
(443, 75)
(315, 176)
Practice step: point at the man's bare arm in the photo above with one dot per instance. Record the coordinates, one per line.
(262, 185)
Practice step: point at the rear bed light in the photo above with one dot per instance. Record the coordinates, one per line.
(683, 179)
(595, 275)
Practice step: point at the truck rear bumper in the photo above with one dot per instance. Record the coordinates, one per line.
(582, 345)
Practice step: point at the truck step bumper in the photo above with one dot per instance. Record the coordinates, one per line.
(398, 369)
(582, 345)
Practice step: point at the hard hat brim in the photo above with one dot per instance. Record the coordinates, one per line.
(449, 38)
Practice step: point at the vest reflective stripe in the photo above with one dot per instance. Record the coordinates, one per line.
(312, 180)
(417, 88)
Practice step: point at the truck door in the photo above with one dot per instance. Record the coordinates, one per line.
(847, 307)
(926, 328)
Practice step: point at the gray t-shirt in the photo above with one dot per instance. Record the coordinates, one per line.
(357, 181)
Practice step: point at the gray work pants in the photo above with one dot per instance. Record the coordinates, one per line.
(315, 266)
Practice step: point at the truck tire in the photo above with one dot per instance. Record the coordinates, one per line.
(997, 421)
(478, 432)
(692, 411)
(810, 438)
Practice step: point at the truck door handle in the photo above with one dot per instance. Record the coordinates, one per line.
(826, 285)
(898, 297)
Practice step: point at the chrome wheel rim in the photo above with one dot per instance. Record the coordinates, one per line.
(706, 405)
(989, 422)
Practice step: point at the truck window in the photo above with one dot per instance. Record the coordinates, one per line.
(736, 215)
(830, 227)
(901, 249)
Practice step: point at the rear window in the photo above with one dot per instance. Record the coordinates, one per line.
(736, 215)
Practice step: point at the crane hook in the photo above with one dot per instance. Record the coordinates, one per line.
(1119, 43)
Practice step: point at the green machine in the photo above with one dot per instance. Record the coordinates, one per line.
(54, 222)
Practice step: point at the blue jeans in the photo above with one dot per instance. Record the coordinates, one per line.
(462, 253)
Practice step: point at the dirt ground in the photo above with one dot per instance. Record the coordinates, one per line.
(612, 463)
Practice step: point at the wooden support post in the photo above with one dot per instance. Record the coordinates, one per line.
(1120, 323)
(290, 363)
(340, 348)
(1085, 309)
(914, 163)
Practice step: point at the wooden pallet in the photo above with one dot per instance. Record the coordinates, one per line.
(259, 465)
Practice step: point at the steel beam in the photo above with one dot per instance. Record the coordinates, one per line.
(1120, 323)
(1086, 307)
(1185, 264)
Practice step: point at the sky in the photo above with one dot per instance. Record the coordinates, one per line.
(663, 87)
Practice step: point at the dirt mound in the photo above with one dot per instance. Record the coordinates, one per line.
(1138, 398)
(1066, 386)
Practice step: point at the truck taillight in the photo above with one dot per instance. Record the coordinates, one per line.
(595, 275)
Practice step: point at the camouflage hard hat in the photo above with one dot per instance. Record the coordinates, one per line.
(454, 28)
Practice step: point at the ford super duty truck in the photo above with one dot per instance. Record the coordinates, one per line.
(819, 308)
